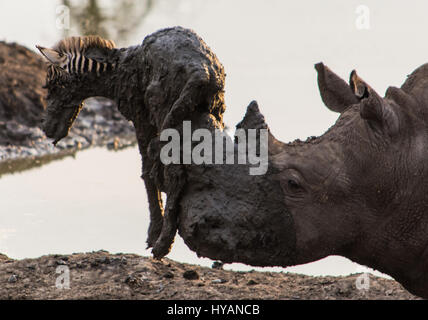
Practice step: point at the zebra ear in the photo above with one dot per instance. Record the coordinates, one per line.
(52, 56)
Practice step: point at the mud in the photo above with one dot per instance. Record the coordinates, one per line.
(101, 275)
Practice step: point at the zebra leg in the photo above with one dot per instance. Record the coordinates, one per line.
(198, 90)
(145, 133)
(195, 89)
(156, 210)
(175, 176)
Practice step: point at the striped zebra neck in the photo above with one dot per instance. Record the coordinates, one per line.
(82, 55)
(78, 63)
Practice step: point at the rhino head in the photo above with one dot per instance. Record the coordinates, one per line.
(360, 190)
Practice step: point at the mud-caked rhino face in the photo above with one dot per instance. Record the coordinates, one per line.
(338, 185)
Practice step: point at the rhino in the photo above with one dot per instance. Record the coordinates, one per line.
(357, 191)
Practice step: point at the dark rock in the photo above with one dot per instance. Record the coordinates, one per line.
(133, 281)
(191, 275)
(217, 265)
(251, 282)
(61, 263)
(129, 279)
(105, 260)
(168, 275)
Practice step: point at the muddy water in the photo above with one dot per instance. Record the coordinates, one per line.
(268, 48)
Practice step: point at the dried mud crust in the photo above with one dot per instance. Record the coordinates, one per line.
(100, 275)
(21, 85)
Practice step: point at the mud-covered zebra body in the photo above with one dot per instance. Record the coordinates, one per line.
(156, 85)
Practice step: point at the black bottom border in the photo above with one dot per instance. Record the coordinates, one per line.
(227, 309)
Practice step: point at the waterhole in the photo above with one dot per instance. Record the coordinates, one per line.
(96, 200)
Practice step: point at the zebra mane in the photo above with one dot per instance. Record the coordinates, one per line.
(81, 44)
(82, 53)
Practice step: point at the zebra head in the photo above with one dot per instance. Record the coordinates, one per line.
(74, 66)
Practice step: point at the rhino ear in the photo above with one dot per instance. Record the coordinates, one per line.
(358, 86)
(335, 92)
(377, 111)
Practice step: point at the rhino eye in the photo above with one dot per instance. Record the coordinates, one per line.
(293, 185)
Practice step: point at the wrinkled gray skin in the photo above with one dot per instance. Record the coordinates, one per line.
(357, 191)
(360, 189)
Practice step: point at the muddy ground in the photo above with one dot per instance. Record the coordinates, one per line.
(100, 275)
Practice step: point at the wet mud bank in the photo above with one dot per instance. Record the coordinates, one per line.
(100, 275)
